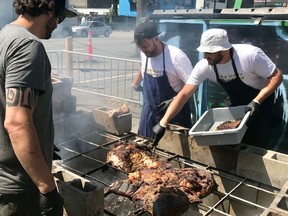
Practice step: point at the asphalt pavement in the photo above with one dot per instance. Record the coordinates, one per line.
(119, 45)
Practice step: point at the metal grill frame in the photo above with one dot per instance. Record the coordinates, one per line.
(218, 208)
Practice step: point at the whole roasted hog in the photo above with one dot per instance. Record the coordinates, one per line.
(153, 185)
(148, 187)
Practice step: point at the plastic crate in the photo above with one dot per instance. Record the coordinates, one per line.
(204, 130)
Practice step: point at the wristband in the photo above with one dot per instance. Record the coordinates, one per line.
(162, 125)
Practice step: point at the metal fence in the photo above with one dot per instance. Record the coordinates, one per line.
(106, 76)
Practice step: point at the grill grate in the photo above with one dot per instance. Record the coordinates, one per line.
(235, 195)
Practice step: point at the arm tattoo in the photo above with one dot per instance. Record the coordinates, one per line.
(22, 97)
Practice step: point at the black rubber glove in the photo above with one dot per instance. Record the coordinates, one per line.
(158, 132)
(137, 88)
(162, 107)
(254, 108)
(51, 204)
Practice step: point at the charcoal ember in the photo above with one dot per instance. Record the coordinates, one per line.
(129, 157)
(229, 124)
(187, 185)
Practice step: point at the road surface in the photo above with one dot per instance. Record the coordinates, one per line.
(118, 44)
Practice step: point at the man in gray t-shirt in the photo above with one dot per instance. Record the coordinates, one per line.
(26, 129)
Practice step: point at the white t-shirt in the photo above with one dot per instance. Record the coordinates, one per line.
(83, 19)
(252, 64)
(177, 65)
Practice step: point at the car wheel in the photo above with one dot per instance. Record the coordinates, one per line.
(106, 33)
(84, 34)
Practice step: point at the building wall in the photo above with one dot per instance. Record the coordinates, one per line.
(78, 3)
(91, 3)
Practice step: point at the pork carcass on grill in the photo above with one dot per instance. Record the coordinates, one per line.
(229, 124)
(129, 157)
(153, 185)
(171, 190)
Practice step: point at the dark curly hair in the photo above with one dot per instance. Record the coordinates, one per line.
(32, 7)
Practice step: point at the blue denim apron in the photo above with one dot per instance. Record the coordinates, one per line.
(155, 91)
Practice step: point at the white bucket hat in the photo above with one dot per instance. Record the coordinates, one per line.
(214, 40)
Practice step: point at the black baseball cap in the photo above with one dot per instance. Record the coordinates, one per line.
(144, 31)
(62, 4)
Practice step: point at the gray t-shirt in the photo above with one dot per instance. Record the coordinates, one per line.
(24, 63)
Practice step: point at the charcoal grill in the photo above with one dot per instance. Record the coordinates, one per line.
(236, 195)
(251, 181)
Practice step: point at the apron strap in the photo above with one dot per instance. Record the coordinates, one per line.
(163, 55)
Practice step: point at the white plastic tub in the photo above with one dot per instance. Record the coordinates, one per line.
(204, 130)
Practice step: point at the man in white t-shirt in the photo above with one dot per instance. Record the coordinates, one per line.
(246, 73)
(164, 71)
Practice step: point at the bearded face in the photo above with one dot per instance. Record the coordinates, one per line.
(51, 25)
(148, 47)
(213, 58)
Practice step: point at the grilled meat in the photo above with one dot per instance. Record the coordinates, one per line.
(120, 111)
(129, 157)
(229, 124)
(153, 185)
(170, 202)
(149, 187)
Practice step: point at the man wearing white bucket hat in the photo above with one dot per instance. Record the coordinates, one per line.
(246, 73)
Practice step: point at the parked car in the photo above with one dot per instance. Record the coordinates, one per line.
(96, 27)
(64, 29)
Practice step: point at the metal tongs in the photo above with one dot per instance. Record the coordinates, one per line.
(151, 146)
(155, 143)
(154, 152)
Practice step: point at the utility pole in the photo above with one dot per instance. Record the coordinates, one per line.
(141, 8)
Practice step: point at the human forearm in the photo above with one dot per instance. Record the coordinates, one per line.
(174, 108)
(24, 139)
(271, 85)
(136, 83)
(27, 149)
(138, 78)
(178, 102)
